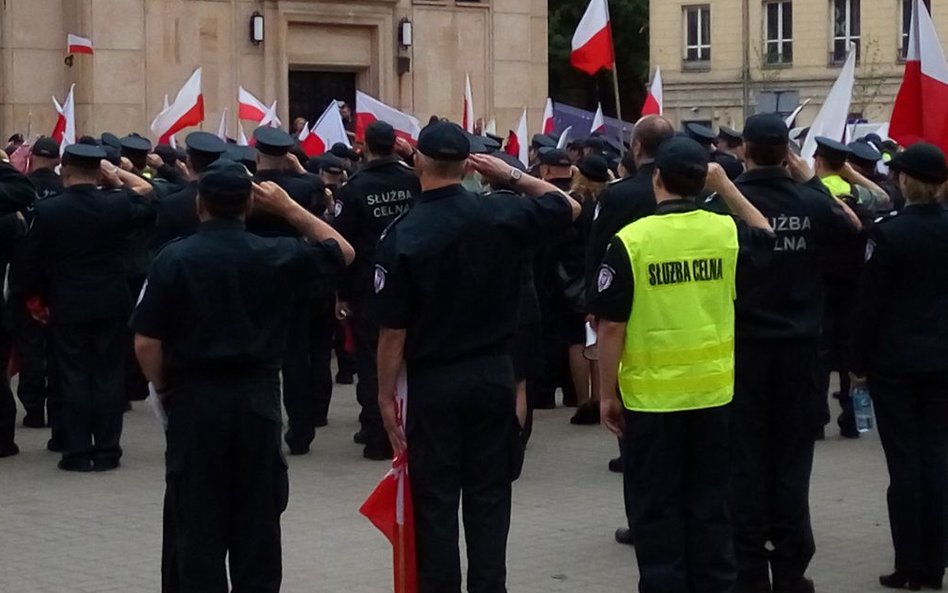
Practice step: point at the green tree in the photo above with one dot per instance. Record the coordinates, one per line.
(630, 35)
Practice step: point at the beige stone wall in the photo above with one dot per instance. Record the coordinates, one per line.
(716, 94)
(147, 48)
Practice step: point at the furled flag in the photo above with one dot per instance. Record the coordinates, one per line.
(599, 122)
(655, 100)
(796, 113)
(517, 142)
(370, 109)
(241, 136)
(79, 45)
(390, 508)
(64, 131)
(921, 107)
(252, 109)
(831, 120)
(222, 127)
(564, 138)
(592, 42)
(467, 120)
(327, 130)
(548, 121)
(187, 110)
(270, 117)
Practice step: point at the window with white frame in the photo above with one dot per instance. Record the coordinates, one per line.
(846, 15)
(778, 30)
(697, 25)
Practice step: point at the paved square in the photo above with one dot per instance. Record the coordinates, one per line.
(97, 533)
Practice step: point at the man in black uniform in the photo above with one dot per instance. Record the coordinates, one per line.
(43, 163)
(177, 215)
(446, 298)
(210, 328)
(730, 142)
(777, 410)
(620, 204)
(374, 197)
(307, 379)
(74, 250)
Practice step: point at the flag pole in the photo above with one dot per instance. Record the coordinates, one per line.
(615, 78)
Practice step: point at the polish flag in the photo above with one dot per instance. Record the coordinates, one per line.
(327, 130)
(187, 110)
(468, 119)
(655, 100)
(241, 136)
(252, 109)
(831, 120)
(222, 127)
(79, 45)
(173, 141)
(517, 143)
(592, 42)
(921, 107)
(64, 131)
(390, 508)
(270, 117)
(370, 109)
(599, 122)
(548, 117)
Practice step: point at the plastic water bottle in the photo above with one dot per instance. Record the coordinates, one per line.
(862, 409)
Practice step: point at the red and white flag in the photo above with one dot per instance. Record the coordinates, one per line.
(64, 131)
(252, 109)
(548, 121)
(270, 117)
(222, 127)
(468, 119)
(187, 110)
(78, 45)
(327, 130)
(370, 109)
(592, 42)
(655, 100)
(518, 144)
(599, 121)
(921, 107)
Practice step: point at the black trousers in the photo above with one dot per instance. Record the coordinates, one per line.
(226, 487)
(7, 403)
(463, 443)
(136, 385)
(307, 376)
(678, 463)
(91, 360)
(38, 388)
(835, 345)
(367, 387)
(777, 409)
(912, 412)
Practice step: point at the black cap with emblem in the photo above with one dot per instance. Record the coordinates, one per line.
(45, 147)
(554, 157)
(83, 156)
(922, 161)
(273, 141)
(225, 182)
(444, 141)
(205, 143)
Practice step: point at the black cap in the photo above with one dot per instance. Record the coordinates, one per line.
(701, 134)
(594, 168)
(83, 156)
(873, 138)
(113, 155)
(596, 143)
(273, 141)
(922, 161)
(729, 134)
(511, 160)
(492, 145)
(344, 152)
(863, 153)
(542, 141)
(682, 158)
(168, 154)
(135, 143)
(478, 144)
(444, 141)
(45, 147)
(245, 155)
(313, 164)
(330, 163)
(495, 138)
(205, 142)
(766, 129)
(554, 157)
(110, 139)
(225, 182)
(831, 149)
(380, 134)
(88, 141)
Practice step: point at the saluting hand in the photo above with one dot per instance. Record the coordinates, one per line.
(272, 198)
(154, 161)
(491, 168)
(403, 148)
(293, 164)
(110, 174)
(717, 180)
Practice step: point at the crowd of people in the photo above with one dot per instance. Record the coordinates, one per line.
(692, 291)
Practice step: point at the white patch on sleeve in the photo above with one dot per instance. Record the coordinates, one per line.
(337, 209)
(605, 277)
(870, 249)
(141, 294)
(380, 274)
(597, 211)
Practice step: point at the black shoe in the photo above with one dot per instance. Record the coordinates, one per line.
(54, 445)
(798, 585)
(34, 420)
(360, 438)
(587, 414)
(344, 378)
(75, 465)
(820, 434)
(900, 580)
(847, 426)
(298, 449)
(377, 451)
(752, 585)
(9, 450)
(105, 465)
(128, 406)
(616, 465)
(624, 536)
(934, 579)
(322, 422)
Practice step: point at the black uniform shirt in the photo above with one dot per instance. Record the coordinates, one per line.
(16, 191)
(615, 282)
(75, 251)
(305, 189)
(374, 197)
(46, 182)
(177, 215)
(220, 299)
(449, 270)
(901, 320)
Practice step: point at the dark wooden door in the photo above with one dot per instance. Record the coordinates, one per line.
(312, 90)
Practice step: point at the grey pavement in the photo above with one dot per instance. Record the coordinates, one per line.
(96, 533)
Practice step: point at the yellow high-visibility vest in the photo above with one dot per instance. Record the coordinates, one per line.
(837, 186)
(679, 343)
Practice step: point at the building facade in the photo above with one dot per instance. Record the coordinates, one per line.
(312, 51)
(722, 60)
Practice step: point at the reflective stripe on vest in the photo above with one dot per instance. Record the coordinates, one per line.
(837, 185)
(679, 342)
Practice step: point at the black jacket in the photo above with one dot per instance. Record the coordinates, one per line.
(177, 216)
(16, 191)
(304, 189)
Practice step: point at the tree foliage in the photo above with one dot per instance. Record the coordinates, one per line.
(630, 34)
